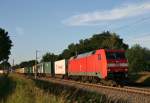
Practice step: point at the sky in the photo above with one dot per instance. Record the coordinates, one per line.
(51, 25)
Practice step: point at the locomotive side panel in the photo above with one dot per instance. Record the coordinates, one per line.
(77, 66)
(93, 65)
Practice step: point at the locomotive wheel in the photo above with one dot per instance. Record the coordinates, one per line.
(109, 83)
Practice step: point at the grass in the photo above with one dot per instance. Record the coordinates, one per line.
(24, 91)
(7, 86)
(74, 95)
(18, 89)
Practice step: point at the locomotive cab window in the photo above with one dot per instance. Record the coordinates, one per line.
(115, 55)
(99, 57)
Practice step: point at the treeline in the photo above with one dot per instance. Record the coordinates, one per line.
(25, 64)
(105, 40)
(138, 57)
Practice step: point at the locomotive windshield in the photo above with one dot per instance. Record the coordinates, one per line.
(115, 55)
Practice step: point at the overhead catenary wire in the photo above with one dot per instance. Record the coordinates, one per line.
(139, 21)
(133, 23)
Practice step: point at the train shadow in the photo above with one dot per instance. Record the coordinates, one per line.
(139, 80)
(140, 85)
(7, 87)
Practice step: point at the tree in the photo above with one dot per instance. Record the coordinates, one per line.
(5, 45)
(105, 40)
(49, 57)
(5, 65)
(27, 63)
(15, 66)
(138, 58)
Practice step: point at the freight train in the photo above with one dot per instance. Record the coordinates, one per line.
(94, 66)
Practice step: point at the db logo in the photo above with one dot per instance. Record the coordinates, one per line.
(59, 67)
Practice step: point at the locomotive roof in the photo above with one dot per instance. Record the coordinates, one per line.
(92, 52)
(83, 55)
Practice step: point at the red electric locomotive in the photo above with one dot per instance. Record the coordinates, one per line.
(99, 64)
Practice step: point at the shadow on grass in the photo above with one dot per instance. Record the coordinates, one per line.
(147, 82)
(72, 94)
(7, 86)
(136, 80)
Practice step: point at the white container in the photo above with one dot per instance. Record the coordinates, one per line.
(1, 71)
(40, 68)
(21, 70)
(60, 67)
(33, 69)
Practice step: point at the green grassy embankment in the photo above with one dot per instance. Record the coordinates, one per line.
(18, 89)
(7, 86)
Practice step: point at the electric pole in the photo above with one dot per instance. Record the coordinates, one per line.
(35, 70)
(13, 63)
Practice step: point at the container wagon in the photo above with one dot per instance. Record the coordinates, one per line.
(1, 71)
(40, 69)
(44, 69)
(60, 68)
(20, 70)
(28, 70)
(48, 70)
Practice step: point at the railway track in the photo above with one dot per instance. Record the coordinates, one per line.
(123, 89)
(131, 94)
(138, 89)
(145, 91)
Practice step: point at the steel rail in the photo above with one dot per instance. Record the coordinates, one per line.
(124, 89)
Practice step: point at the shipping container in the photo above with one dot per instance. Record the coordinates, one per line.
(47, 67)
(44, 69)
(30, 70)
(60, 67)
(33, 69)
(40, 68)
(26, 70)
(1, 71)
(20, 70)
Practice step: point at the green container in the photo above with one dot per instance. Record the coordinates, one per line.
(30, 70)
(47, 67)
(25, 70)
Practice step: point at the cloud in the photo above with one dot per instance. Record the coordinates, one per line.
(122, 12)
(19, 30)
(143, 39)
